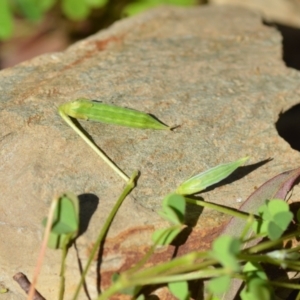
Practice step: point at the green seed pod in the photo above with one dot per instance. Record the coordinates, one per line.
(110, 114)
(205, 179)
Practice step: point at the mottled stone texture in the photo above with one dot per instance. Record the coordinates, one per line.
(215, 71)
(279, 11)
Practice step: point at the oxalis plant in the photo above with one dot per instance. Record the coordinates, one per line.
(237, 263)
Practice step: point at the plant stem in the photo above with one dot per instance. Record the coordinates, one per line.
(106, 159)
(270, 244)
(182, 277)
(219, 208)
(129, 186)
(43, 248)
(292, 286)
(63, 266)
(163, 273)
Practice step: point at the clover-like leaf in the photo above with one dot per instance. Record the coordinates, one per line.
(179, 289)
(173, 209)
(256, 288)
(252, 269)
(219, 284)
(225, 249)
(65, 221)
(275, 218)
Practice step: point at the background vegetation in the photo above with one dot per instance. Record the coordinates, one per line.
(99, 13)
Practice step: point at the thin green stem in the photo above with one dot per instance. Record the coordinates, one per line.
(263, 259)
(181, 277)
(219, 208)
(249, 223)
(161, 273)
(130, 185)
(145, 258)
(184, 263)
(43, 248)
(69, 121)
(63, 267)
(288, 285)
(270, 244)
(157, 274)
(295, 249)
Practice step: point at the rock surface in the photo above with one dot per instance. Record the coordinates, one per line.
(215, 71)
(279, 11)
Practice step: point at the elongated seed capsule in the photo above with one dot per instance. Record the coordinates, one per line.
(205, 179)
(110, 114)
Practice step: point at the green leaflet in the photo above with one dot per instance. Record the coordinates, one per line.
(110, 114)
(205, 179)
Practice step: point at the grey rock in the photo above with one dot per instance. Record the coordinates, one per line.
(279, 11)
(215, 71)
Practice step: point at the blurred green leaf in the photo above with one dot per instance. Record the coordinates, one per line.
(140, 6)
(75, 9)
(252, 269)
(96, 3)
(3, 290)
(65, 221)
(127, 291)
(46, 4)
(181, 2)
(256, 288)
(30, 9)
(224, 249)
(219, 284)
(165, 236)
(6, 20)
(179, 289)
(298, 216)
(173, 209)
(212, 176)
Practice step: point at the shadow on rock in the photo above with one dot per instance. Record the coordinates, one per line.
(238, 174)
(290, 44)
(88, 204)
(288, 126)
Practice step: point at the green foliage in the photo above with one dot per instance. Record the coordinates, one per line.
(257, 286)
(173, 210)
(142, 5)
(179, 290)
(298, 216)
(5, 20)
(131, 291)
(225, 249)
(96, 3)
(165, 236)
(256, 289)
(65, 222)
(219, 285)
(253, 269)
(76, 10)
(227, 259)
(275, 217)
(4, 290)
(33, 10)
(208, 178)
